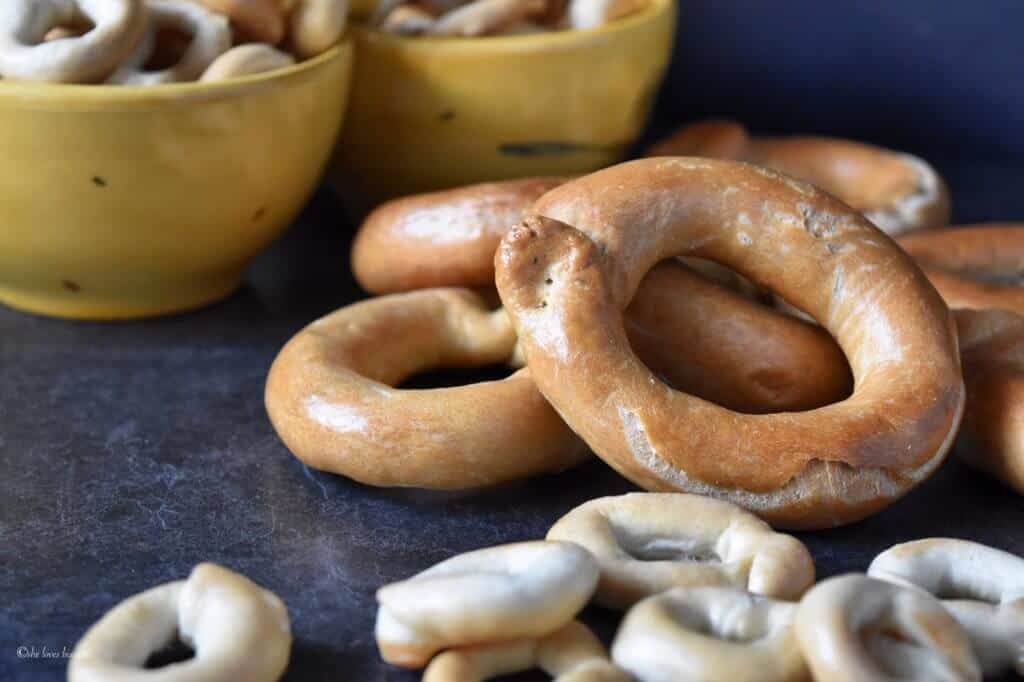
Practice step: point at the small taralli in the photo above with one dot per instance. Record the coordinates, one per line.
(853, 628)
(330, 397)
(316, 25)
(26, 54)
(518, 591)
(647, 543)
(710, 634)
(262, 21)
(479, 18)
(246, 60)
(981, 586)
(210, 38)
(973, 266)
(238, 630)
(897, 192)
(571, 654)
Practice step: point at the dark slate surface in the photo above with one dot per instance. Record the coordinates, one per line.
(129, 452)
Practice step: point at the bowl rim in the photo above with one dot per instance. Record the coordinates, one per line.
(100, 94)
(655, 10)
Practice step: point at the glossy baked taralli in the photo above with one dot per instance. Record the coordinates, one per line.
(973, 266)
(209, 33)
(239, 632)
(982, 587)
(853, 628)
(897, 192)
(26, 54)
(710, 634)
(331, 399)
(992, 352)
(647, 543)
(570, 654)
(566, 275)
(518, 591)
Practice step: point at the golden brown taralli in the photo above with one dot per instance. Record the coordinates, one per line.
(566, 277)
(441, 239)
(898, 192)
(973, 266)
(330, 397)
(992, 351)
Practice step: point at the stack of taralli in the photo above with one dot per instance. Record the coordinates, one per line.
(709, 593)
(155, 42)
(648, 311)
(638, 298)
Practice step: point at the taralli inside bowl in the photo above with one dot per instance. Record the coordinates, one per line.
(429, 113)
(121, 202)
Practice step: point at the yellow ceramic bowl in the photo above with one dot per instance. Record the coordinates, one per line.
(428, 113)
(119, 202)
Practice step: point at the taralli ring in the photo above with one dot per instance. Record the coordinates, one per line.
(709, 342)
(854, 629)
(992, 352)
(259, 20)
(975, 266)
(316, 26)
(330, 397)
(238, 630)
(647, 543)
(709, 634)
(484, 17)
(441, 239)
(25, 54)
(211, 37)
(981, 586)
(566, 275)
(897, 192)
(246, 60)
(518, 591)
(571, 654)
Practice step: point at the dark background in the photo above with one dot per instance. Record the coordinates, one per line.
(129, 452)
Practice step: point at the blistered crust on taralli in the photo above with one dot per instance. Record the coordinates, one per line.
(897, 192)
(973, 266)
(565, 287)
(329, 395)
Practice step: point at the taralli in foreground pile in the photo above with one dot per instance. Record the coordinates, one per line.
(475, 18)
(566, 275)
(238, 630)
(571, 654)
(992, 352)
(982, 587)
(710, 634)
(854, 628)
(154, 42)
(710, 341)
(646, 543)
(973, 266)
(897, 192)
(519, 591)
(329, 396)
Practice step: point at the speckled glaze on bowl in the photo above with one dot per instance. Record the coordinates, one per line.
(123, 202)
(428, 113)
